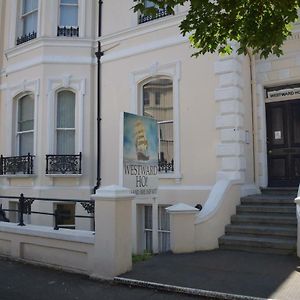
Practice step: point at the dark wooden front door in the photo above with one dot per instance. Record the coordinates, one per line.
(283, 143)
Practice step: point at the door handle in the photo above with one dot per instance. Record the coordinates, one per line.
(270, 151)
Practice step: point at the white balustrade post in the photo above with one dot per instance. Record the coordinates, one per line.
(182, 228)
(113, 231)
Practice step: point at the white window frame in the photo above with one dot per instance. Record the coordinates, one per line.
(78, 87)
(173, 71)
(75, 129)
(68, 5)
(19, 133)
(13, 93)
(24, 15)
(160, 230)
(147, 230)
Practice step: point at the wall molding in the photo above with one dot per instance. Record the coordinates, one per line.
(144, 48)
(142, 29)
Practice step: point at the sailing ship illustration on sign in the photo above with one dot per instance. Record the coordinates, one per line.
(141, 143)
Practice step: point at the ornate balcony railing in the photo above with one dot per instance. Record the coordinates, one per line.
(26, 37)
(63, 164)
(67, 31)
(162, 12)
(16, 164)
(166, 167)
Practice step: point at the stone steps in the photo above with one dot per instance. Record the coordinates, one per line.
(263, 223)
(264, 220)
(259, 244)
(266, 209)
(268, 200)
(256, 231)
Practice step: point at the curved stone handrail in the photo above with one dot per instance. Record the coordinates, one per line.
(215, 199)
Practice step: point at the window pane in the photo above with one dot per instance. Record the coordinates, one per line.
(26, 143)
(148, 217)
(29, 5)
(69, 1)
(68, 15)
(66, 110)
(149, 3)
(163, 218)
(65, 142)
(25, 113)
(148, 228)
(164, 241)
(30, 23)
(158, 104)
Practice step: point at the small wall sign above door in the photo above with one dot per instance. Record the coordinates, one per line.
(283, 94)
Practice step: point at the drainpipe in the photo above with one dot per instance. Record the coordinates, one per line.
(99, 54)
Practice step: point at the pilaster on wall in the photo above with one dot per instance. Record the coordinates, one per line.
(230, 120)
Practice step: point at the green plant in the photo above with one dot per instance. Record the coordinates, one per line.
(141, 257)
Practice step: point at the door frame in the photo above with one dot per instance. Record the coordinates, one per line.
(261, 133)
(261, 157)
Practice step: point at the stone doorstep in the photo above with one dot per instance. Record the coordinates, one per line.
(263, 242)
(182, 290)
(260, 219)
(266, 209)
(283, 232)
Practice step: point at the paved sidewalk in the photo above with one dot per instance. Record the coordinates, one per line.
(250, 274)
(19, 281)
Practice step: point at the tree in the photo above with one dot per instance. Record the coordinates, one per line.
(259, 25)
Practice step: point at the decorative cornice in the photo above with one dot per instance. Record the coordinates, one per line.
(48, 42)
(142, 29)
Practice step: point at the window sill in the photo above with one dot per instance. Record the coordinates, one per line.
(64, 175)
(172, 175)
(18, 176)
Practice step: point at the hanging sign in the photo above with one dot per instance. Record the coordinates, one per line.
(140, 155)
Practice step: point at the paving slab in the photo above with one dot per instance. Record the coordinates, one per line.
(267, 276)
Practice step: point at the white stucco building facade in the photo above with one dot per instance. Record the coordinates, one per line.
(211, 111)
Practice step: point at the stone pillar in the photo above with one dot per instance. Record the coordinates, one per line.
(297, 201)
(182, 227)
(113, 231)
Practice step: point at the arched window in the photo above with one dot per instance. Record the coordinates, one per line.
(25, 125)
(65, 123)
(158, 103)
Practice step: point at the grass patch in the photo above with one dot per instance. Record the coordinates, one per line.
(141, 257)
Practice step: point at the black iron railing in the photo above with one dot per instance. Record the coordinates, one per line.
(16, 164)
(162, 12)
(67, 31)
(63, 164)
(166, 167)
(25, 203)
(26, 37)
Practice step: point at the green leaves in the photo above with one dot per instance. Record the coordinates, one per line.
(260, 25)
